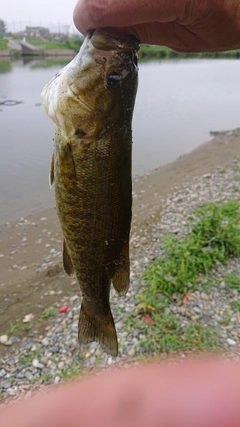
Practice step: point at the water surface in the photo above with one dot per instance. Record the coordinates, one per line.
(178, 103)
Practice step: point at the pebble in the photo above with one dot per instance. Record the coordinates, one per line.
(231, 342)
(44, 359)
(35, 363)
(3, 339)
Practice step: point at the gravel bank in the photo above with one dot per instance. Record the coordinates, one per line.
(54, 354)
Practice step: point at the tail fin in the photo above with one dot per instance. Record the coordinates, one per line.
(96, 328)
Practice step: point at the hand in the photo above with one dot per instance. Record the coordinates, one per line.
(182, 25)
(193, 394)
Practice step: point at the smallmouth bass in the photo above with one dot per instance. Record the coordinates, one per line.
(91, 102)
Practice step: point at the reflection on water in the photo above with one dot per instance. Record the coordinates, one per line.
(178, 103)
(5, 66)
(45, 63)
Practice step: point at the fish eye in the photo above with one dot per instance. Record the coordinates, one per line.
(113, 80)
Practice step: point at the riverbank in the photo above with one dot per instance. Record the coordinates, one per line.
(45, 349)
(72, 46)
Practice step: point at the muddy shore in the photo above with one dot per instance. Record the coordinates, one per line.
(30, 249)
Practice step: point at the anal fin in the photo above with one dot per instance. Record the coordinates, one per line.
(120, 278)
(67, 262)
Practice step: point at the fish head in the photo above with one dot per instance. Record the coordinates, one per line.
(96, 88)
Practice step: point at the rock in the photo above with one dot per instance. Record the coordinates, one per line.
(12, 391)
(231, 342)
(28, 318)
(35, 363)
(45, 342)
(204, 296)
(3, 339)
(54, 349)
(131, 352)
(6, 385)
(61, 365)
(28, 375)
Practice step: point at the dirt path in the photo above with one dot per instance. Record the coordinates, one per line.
(30, 249)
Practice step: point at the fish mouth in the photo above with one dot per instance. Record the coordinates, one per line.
(80, 100)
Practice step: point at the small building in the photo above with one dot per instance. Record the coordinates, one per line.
(37, 31)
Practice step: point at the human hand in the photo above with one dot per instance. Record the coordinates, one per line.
(182, 25)
(193, 394)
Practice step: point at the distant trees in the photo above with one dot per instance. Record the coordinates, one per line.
(3, 28)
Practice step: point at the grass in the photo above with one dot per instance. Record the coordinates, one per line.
(3, 45)
(46, 314)
(149, 52)
(236, 305)
(5, 66)
(14, 328)
(53, 44)
(226, 320)
(233, 281)
(214, 237)
(47, 63)
(163, 333)
(70, 371)
(29, 358)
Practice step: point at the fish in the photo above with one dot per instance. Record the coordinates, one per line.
(91, 102)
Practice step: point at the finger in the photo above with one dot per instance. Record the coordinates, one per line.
(199, 394)
(172, 35)
(124, 13)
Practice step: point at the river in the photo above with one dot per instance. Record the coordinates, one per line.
(178, 104)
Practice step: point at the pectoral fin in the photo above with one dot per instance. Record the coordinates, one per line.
(120, 278)
(67, 262)
(51, 172)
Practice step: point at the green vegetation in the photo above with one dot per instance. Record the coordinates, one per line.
(3, 44)
(70, 371)
(149, 52)
(14, 328)
(55, 44)
(236, 305)
(47, 63)
(5, 66)
(46, 314)
(146, 52)
(214, 237)
(233, 281)
(29, 358)
(226, 320)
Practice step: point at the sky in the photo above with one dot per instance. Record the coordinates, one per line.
(18, 13)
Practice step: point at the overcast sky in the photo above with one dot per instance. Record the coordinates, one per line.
(39, 12)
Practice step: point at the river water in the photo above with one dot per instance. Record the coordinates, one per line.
(178, 103)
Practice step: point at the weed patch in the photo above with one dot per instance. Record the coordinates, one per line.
(46, 314)
(214, 237)
(233, 281)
